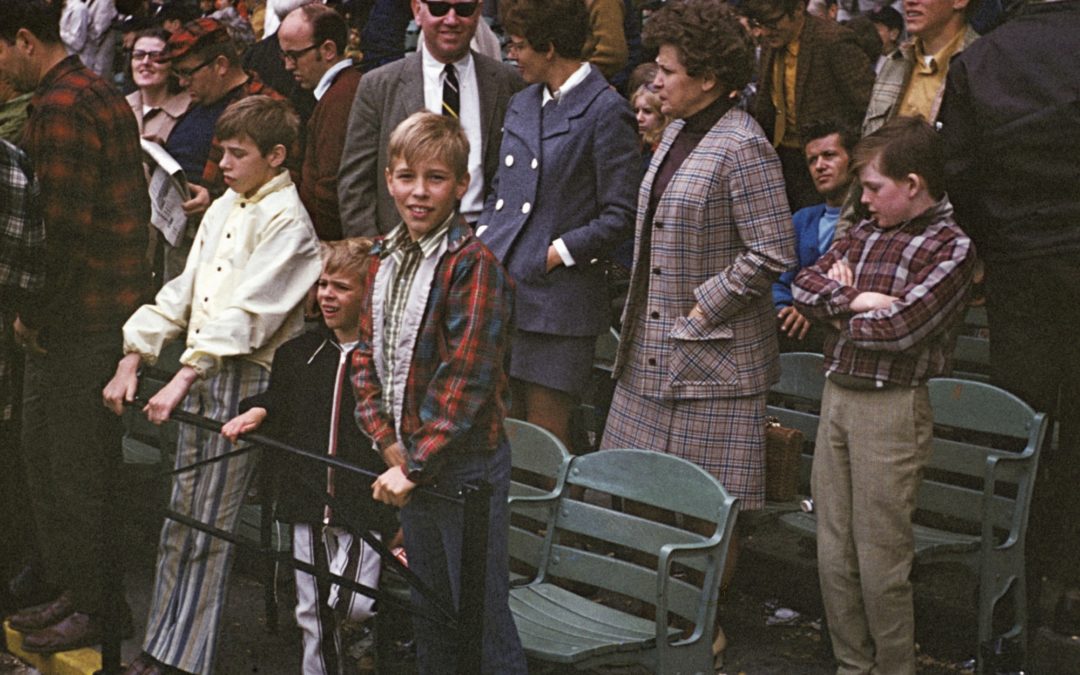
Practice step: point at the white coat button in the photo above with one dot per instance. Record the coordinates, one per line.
(499, 205)
(509, 160)
(526, 207)
(534, 163)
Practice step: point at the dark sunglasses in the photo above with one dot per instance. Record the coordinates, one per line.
(438, 8)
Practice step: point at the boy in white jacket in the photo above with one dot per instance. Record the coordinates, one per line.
(254, 259)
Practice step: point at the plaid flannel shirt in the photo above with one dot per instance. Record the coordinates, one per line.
(83, 143)
(22, 249)
(457, 390)
(926, 263)
(22, 235)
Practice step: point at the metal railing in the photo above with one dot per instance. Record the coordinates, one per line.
(474, 499)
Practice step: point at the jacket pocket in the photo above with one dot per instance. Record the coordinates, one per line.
(701, 353)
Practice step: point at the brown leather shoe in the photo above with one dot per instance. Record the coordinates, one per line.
(75, 631)
(42, 616)
(144, 664)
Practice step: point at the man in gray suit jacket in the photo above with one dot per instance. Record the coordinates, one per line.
(387, 95)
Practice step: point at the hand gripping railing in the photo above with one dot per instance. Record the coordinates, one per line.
(474, 499)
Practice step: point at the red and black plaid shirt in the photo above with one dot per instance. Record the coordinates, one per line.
(926, 263)
(457, 391)
(83, 142)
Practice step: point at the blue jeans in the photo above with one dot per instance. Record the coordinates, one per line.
(433, 540)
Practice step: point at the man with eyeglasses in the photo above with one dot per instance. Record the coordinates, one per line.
(206, 62)
(313, 39)
(811, 70)
(445, 77)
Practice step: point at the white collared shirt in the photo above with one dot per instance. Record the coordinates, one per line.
(473, 201)
(328, 78)
(574, 80)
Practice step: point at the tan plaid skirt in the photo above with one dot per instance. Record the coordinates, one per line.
(724, 436)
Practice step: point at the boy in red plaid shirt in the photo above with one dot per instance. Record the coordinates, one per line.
(893, 290)
(431, 382)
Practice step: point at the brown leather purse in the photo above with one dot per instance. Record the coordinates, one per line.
(783, 448)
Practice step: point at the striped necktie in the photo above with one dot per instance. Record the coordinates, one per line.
(451, 96)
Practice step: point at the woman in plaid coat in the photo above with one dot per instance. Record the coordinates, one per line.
(698, 349)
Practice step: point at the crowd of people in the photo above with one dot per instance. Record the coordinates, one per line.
(382, 255)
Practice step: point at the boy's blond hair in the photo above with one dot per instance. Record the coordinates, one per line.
(346, 255)
(426, 136)
(266, 121)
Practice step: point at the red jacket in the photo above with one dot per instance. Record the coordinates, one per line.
(457, 390)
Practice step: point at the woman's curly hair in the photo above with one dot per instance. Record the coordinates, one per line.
(708, 37)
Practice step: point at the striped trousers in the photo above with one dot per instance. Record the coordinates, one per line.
(321, 607)
(192, 566)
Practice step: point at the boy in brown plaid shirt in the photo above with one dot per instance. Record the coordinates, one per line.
(892, 289)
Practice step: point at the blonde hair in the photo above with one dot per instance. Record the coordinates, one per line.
(426, 136)
(346, 255)
(652, 101)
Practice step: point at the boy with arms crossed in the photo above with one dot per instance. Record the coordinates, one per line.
(253, 260)
(893, 289)
(431, 381)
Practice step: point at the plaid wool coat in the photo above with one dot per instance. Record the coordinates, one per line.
(720, 235)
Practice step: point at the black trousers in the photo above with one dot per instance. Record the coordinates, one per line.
(1034, 312)
(71, 448)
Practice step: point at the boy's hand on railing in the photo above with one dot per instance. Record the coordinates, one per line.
(121, 388)
(242, 424)
(160, 407)
(393, 487)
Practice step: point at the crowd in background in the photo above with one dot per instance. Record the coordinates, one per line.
(723, 170)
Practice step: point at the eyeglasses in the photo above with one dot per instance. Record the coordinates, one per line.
(437, 8)
(768, 24)
(187, 73)
(139, 55)
(516, 45)
(295, 54)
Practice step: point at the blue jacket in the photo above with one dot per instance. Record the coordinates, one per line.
(575, 180)
(805, 222)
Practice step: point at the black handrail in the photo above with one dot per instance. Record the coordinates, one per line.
(474, 498)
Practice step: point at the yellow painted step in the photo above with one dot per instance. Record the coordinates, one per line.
(83, 661)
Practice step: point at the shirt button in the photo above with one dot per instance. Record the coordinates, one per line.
(658, 225)
(655, 315)
(206, 299)
(499, 205)
(509, 160)
(534, 163)
(656, 271)
(652, 362)
(526, 207)
(219, 269)
(228, 236)
(243, 205)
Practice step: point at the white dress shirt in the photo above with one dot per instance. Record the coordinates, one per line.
(328, 78)
(473, 201)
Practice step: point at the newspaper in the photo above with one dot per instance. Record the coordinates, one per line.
(168, 190)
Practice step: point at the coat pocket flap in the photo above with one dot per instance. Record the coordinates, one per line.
(687, 328)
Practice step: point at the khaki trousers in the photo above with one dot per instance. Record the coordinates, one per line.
(868, 458)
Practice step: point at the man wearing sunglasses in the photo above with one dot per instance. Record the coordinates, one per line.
(445, 77)
(811, 70)
(207, 64)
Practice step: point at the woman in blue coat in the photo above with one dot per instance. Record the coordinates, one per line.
(562, 198)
